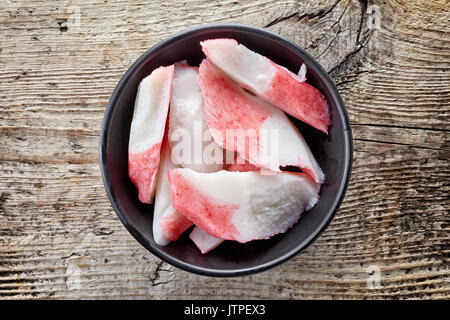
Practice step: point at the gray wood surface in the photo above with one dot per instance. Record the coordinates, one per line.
(59, 63)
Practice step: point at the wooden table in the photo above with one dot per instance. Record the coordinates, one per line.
(60, 238)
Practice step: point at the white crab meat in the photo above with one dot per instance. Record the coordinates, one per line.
(274, 83)
(204, 241)
(168, 224)
(242, 206)
(260, 132)
(147, 130)
(241, 165)
(190, 140)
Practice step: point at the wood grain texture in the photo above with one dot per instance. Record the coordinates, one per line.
(59, 64)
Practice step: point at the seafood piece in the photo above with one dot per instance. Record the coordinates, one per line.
(190, 140)
(241, 165)
(270, 81)
(147, 130)
(204, 242)
(260, 132)
(242, 206)
(168, 224)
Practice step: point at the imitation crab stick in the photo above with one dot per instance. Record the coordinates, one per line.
(241, 165)
(204, 241)
(168, 224)
(147, 130)
(260, 132)
(242, 206)
(269, 80)
(190, 140)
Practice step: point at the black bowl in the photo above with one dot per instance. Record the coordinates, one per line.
(332, 151)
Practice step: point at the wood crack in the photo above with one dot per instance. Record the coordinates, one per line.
(361, 21)
(319, 14)
(280, 19)
(314, 44)
(330, 43)
(359, 44)
(358, 48)
(399, 127)
(400, 144)
(352, 77)
(157, 275)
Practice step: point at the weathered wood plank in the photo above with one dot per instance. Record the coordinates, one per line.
(394, 217)
(57, 74)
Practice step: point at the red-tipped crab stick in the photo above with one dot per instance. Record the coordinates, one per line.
(260, 132)
(242, 206)
(147, 130)
(274, 83)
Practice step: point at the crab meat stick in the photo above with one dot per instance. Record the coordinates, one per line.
(190, 140)
(242, 206)
(270, 81)
(168, 224)
(147, 130)
(260, 132)
(241, 165)
(204, 241)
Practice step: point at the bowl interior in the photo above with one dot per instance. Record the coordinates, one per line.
(332, 151)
